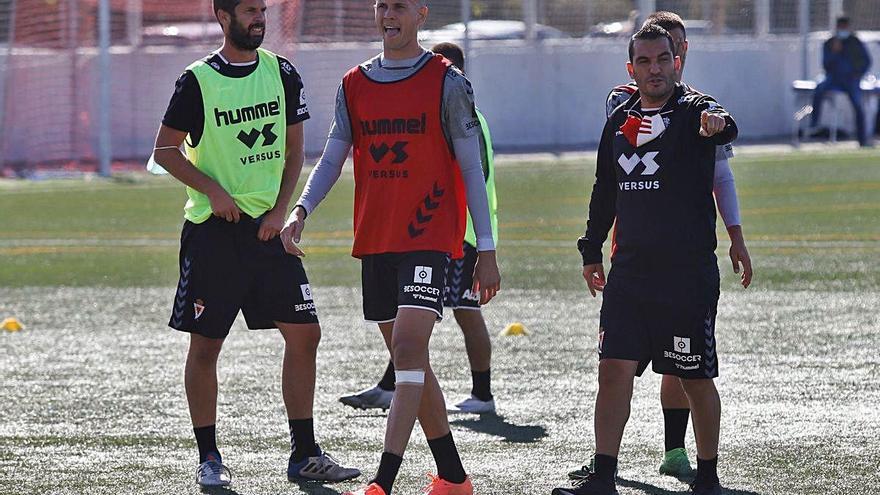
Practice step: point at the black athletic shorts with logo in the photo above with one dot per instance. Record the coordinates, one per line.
(402, 280)
(460, 280)
(225, 268)
(667, 321)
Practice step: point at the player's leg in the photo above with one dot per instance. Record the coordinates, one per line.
(676, 412)
(479, 351)
(410, 337)
(624, 351)
(208, 298)
(706, 409)
(200, 382)
(379, 297)
(466, 308)
(684, 346)
(609, 420)
(307, 460)
(281, 297)
(451, 477)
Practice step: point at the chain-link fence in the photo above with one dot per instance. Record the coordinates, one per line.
(72, 97)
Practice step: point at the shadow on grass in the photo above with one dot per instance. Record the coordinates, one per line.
(309, 487)
(493, 424)
(656, 490)
(218, 490)
(314, 488)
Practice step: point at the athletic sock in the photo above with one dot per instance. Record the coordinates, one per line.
(388, 468)
(302, 438)
(606, 465)
(448, 461)
(387, 381)
(482, 388)
(206, 438)
(707, 471)
(675, 422)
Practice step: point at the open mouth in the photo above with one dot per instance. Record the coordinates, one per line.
(256, 30)
(391, 32)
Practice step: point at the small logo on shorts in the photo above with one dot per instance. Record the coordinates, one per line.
(681, 344)
(423, 274)
(199, 307)
(601, 338)
(307, 292)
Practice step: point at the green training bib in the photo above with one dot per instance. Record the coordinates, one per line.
(243, 142)
(470, 236)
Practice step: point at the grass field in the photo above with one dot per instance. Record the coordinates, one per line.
(92, 393)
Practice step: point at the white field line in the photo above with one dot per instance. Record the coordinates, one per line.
(541, 243)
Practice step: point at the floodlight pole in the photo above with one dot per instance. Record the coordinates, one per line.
(762, 18)
(466, 21)
(530, 16)
(804, 29)
(134, 21)
(835, 10)
(104, 102)
(646, 8)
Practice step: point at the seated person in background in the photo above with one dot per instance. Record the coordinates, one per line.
(845, 60)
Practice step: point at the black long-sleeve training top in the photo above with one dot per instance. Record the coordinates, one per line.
(655, 176)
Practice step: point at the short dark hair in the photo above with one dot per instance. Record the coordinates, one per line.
(650, 32)
(451, 51)
(667, 20)
(226, 5)
(843, 20)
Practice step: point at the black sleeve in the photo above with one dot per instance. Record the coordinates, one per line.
(294, 93)
(707, 103)
(186, 111)
(603, 201)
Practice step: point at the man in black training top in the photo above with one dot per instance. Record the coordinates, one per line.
(654, 174)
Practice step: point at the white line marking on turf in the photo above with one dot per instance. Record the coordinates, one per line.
(152, 242)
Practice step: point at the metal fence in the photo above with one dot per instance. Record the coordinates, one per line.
(56, 54)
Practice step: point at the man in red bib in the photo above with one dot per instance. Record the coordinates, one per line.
(410, 118)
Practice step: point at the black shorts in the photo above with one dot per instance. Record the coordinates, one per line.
(402, 280)
(224, 268)
(460, 280)
(673, 329)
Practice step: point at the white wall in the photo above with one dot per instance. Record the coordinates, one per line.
(545, 96)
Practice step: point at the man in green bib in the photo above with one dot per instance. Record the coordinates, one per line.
(239, 113)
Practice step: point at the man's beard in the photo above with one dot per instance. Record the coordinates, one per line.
(242, 38)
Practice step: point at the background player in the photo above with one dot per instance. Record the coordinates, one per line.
(654, 176)
(676, 409)
(410, 118)
(458, 295)
(240, 112)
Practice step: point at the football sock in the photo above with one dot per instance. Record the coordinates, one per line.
(675, 422)
(482, 388)
(206, 438)
(388, 468)
(448, 461)
(606, 466)
(387, 381)
(302, 438)
(707, 471)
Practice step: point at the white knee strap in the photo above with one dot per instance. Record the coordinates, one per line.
(416, 377)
